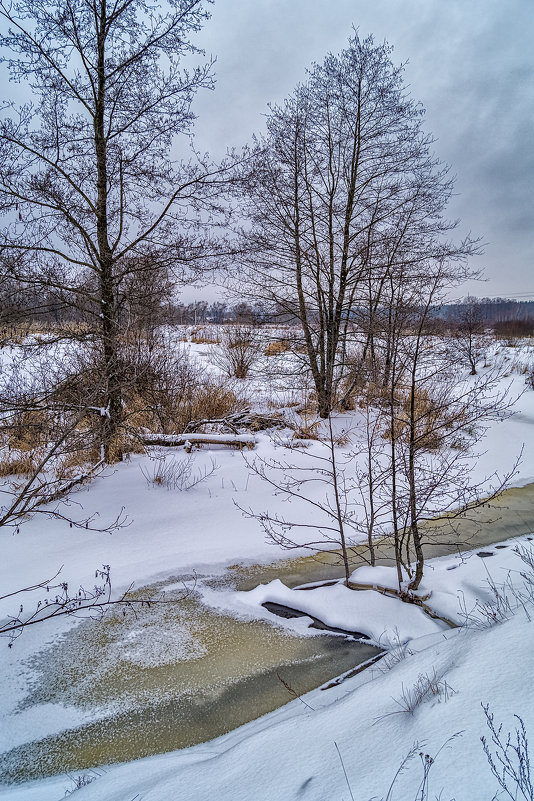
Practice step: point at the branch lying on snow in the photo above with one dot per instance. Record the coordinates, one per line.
(87, 603)
(221, 431)
(407, 597)
(244, 419)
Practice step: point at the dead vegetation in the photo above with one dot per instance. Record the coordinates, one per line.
(238, 351)
(277, 347)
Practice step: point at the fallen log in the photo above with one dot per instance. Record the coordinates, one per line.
(190, 440)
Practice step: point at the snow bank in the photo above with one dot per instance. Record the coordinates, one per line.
(371, 720)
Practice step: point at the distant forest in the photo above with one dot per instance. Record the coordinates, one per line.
(47, 308)
(489, 310)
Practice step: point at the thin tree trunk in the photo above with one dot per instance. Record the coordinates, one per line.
(113, 394)
(392, 433)
(415, 534)
(339, 513)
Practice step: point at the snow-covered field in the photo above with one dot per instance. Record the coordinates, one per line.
(344, 742)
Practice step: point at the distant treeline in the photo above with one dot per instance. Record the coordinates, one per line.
(489, 310)
(47, 308)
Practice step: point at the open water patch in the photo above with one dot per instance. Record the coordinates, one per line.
(170, 677)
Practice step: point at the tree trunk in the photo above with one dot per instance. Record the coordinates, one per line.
(414, 533)
(109, 332)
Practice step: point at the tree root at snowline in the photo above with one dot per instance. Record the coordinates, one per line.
(406, 597)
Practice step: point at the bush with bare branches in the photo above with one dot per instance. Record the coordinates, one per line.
(238, 351)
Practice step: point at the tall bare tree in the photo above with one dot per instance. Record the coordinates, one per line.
(91, 197)
(344, 190)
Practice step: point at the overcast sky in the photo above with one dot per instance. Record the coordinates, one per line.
(471, 64)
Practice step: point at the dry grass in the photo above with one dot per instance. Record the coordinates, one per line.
(169, 409)
(80, 456)
(176, 474)
(308, 430)
(277, 347)
(214, 400)
(428, 419)
(16, 334)
(204, 336)
(16, 464)
(341, 439)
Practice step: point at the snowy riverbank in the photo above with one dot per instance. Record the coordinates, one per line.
(424, 692)
(291, 753)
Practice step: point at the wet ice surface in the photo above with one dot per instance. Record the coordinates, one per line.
(169, 677)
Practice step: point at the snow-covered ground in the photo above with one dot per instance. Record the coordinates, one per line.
(357, 732)
(353, 735)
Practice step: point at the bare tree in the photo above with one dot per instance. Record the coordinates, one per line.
(411, 461)
(343, 190)
(435, 421)
(469, 332)
(94, 203)
(333, 524)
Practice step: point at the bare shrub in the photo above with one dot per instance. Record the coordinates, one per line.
(508, 758)
(162, 391)
(469, 337)
(166, 390)
(176, 474)
(506, 597)
(490, 613)
(425, 688)
(46, 430)
(238, 351)
(82, 780)
(398, 653)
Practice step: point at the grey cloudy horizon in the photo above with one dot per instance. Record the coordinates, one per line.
(471, 64)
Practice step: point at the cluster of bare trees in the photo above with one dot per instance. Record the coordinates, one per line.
(345, 210)
(342, 203)
(99, 216)
(345, 206)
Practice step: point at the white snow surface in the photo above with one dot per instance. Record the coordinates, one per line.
(291, 753)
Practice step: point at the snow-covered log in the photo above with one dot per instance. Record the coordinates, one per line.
(189, 440)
